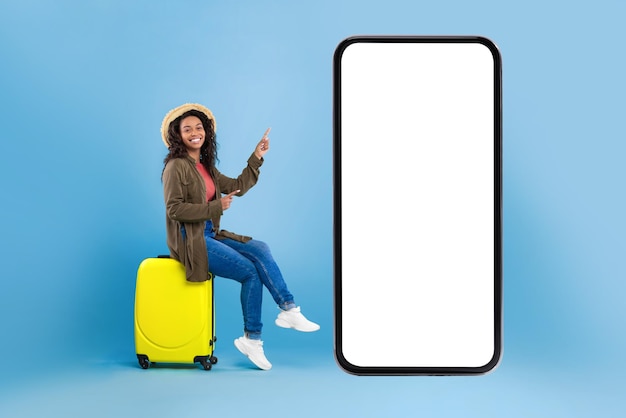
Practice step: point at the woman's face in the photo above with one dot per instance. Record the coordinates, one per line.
(192, 133)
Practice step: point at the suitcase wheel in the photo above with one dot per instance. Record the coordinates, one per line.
(206, 364)
(143, 360)
(213, 360)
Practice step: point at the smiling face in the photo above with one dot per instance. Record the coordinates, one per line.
(192, 134)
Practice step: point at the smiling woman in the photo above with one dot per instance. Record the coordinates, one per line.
(203, 128)
(192, 134)
(193, 189)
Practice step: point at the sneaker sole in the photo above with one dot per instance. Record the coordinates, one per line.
(284, 324)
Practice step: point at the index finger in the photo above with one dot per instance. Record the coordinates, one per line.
(267, 132)
(233, 193)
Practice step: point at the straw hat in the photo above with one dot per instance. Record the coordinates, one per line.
(176, 112)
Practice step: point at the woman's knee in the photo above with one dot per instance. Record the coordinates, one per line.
(260, 246)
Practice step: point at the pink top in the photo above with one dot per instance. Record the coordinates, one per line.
(208, 181)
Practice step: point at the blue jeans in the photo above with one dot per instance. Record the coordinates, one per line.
(252, 265)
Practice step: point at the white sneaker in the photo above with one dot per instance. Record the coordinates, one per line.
(294, 319)
(253, 349)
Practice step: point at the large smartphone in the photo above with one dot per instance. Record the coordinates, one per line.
(417, 150)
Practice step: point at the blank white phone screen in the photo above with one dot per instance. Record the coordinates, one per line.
(416, 163)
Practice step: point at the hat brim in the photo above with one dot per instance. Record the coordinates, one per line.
(178, 111)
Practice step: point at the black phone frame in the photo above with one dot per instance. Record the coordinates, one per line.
(337, 236)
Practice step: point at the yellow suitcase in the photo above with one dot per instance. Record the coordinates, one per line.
(174, 318)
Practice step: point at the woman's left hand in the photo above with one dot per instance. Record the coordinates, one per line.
(263, 146)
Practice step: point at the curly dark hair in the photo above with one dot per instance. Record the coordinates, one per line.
(177, 149)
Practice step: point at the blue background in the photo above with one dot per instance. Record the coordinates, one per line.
(84, 86)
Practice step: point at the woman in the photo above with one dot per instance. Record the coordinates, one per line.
(193, 189)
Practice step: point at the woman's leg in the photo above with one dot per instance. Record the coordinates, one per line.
(228, 263)
(259, 254)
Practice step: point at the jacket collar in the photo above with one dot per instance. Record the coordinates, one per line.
(190, 159)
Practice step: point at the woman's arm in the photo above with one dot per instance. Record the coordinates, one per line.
(250, 174)
(244, 182)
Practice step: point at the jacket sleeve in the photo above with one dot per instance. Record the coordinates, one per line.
(244, 182)
(177, 205)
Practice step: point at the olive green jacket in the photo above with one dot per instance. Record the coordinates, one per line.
(185, 205)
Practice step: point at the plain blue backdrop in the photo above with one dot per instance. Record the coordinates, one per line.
(83, 89)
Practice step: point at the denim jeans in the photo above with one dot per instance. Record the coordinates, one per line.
(252, 265)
